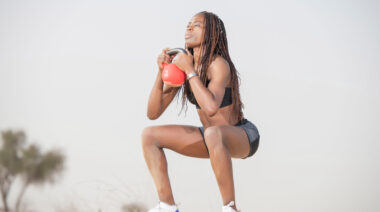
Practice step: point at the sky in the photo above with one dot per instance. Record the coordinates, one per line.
(76, 75)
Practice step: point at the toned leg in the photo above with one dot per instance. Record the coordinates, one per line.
(223, 143)
(183, 139)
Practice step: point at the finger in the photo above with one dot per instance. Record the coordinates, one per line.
(167, 58)
(165, 50)
(164, 56)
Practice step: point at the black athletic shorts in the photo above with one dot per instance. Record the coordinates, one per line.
(252, 133)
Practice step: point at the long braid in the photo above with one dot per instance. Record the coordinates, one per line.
(214, 44)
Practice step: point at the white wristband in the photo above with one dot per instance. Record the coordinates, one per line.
(192, 74)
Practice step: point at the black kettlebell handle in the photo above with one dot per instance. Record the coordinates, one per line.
(175, 51)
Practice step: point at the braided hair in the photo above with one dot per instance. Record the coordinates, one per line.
(215, 43)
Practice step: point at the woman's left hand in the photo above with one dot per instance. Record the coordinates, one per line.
(184, 62)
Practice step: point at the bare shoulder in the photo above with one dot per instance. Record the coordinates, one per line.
(219, 66)
(219, 62)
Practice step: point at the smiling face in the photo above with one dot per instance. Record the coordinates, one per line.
(194, 31)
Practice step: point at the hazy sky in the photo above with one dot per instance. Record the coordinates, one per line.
(76, 75)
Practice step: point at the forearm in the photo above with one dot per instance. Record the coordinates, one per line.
(204, 97)
(155, 97)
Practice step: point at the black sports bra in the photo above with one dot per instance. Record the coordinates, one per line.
(227, 99)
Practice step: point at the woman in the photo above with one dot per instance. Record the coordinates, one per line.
(212, 85)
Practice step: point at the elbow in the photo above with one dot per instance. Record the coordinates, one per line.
(211, 110)
(154, 113)
(152, 116)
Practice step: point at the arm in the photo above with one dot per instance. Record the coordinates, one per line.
(160, 97)
(209, 99)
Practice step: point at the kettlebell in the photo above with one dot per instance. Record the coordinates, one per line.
(171, 74)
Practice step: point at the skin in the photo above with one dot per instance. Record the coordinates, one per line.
(223, 140)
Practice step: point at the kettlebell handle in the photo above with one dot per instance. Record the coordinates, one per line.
(175, 51)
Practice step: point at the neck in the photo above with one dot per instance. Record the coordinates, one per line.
(196, 55)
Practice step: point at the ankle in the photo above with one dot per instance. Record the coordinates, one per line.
(165, 196)
(169, 207)
(169, 202)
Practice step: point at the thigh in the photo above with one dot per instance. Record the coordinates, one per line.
(184, 139)
(234, 138)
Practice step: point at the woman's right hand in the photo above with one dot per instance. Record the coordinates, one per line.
(163, 57)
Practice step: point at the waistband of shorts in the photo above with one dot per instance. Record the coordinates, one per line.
(241, 122)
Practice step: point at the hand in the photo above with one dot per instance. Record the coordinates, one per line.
(163, 58)
(185, 62)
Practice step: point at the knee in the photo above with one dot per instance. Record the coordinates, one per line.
(213, 137)
(147, 136)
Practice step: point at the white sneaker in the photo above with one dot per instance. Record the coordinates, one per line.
(164, 207)
(227, 208)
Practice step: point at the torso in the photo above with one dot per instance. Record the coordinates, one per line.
(224, 116)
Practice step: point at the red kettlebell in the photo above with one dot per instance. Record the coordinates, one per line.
(171, 74)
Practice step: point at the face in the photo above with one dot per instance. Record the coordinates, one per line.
(194, 31)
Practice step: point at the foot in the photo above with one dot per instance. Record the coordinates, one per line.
(228, 207)
(164, 207)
